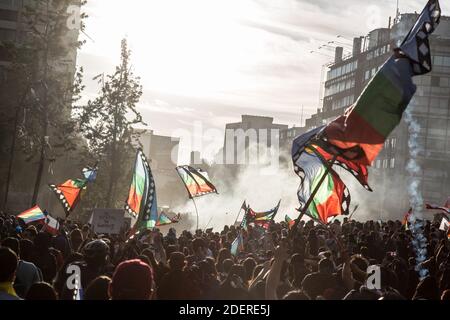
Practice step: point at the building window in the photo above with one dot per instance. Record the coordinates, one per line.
(7, 35)
(435, 81)
(8, 15)
(393, 143)
(392, 164)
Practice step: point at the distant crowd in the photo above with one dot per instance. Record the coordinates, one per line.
(318, 263)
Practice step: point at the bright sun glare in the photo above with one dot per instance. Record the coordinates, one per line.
(182, 47)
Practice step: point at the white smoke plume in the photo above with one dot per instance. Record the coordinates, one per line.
(261, 186)
(415, 195)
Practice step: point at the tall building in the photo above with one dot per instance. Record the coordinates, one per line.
(247, 142)
(16, 93)
(9, 26)
(14, 29)
(287, 137)
(430, 108)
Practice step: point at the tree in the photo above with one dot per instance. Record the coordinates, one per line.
(39, 90)
(107, 124)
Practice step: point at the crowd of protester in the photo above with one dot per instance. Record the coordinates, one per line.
(317, 263)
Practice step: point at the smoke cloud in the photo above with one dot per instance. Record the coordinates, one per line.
(415, 195)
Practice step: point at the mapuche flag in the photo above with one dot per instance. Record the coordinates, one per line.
(32, 215)
(332, 197)
(141, 202)
(357, 137)
(69, 193)
(196, 181)
(262, 219)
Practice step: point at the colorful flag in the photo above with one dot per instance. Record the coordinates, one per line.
(406, 219)
(289, 221)
(357, 137)
(196, 181)
(69, 193)
(32, 215)
(141, 202)
(332, 198)
(361, 132)
(51, 225)
(238, 245)
(164, 220)
(262, 219)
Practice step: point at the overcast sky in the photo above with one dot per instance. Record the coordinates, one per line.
(211, 60)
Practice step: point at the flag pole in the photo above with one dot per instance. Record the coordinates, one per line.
(196, 210)
(311, 198)
(239, 213)
(354, 210)
(208, 223)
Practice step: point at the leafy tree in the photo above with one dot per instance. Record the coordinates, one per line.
(107, 124)
(39, 90)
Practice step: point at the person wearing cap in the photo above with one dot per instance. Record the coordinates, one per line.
(94, 264)
(132, 280)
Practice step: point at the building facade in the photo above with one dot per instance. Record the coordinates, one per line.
(249, 142)
(430, 109)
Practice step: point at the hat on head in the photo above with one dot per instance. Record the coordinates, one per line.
(132, 280)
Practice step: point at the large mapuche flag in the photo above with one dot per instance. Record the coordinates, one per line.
(141, 202)
(358, 136)
(355, 139)
(196, 181)
(69, 193)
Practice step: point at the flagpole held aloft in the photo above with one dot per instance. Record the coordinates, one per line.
(207, 225)
(239, 213)
(196, 211)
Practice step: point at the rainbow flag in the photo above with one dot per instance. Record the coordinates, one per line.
(196, 181)
(32, 215)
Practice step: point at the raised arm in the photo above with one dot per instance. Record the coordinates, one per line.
(273, 278)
